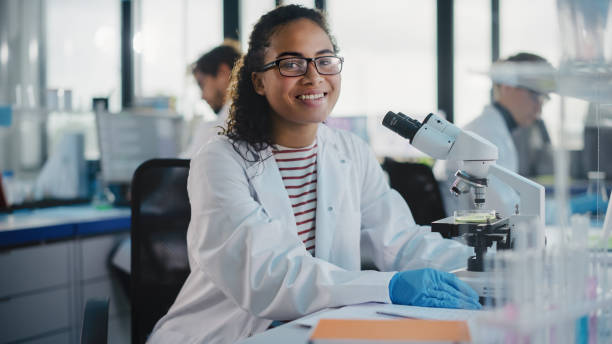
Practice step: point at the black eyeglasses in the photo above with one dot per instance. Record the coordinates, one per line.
(297, 66)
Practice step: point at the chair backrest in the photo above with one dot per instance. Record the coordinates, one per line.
(418, 186)
(95, 322)
(160, 217)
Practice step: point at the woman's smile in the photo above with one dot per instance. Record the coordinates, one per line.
(313, 98)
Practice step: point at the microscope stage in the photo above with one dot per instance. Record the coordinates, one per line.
(449, 227)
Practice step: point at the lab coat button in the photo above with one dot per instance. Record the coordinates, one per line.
(330, 208)
(342, 161)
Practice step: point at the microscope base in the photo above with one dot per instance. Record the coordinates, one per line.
(481, 282)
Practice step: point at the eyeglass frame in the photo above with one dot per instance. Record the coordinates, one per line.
(541, 98)
(276, 62)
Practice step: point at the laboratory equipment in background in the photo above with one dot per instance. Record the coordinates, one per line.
(23, 151)
(598, 138)
(597, 185)
(64, 175)
(22, 93)
(99, 104)
(6, 116)
(59, 99)
(22, 86)
(5, 189)
(128, 139)
(594, 201)
(561, 294)
(480, 227)
(164, 104)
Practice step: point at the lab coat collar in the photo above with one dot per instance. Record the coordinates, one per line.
(332, 165)
(507, 116)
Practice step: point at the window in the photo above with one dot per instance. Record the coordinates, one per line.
(305, 3)
(168, 37)
(472, 39)
(85, 61)
(390, 63)
(250, 11)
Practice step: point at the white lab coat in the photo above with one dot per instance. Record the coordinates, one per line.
(204, 132)
(491, 125)
(248, 266)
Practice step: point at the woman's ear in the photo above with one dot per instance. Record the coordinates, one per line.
(258, 84)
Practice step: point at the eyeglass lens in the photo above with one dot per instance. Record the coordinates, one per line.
(298, 66)
(538, 97)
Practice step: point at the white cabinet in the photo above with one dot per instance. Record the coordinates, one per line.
(94, 253)
(33, 268)
(44, 288)
(34, 315)
(61, 337)
(96, 281)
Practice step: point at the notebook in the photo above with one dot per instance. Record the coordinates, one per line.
(340, 331)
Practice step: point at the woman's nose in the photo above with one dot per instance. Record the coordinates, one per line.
(312, 73)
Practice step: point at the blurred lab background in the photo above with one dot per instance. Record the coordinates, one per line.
(64, 61)
(89, 90)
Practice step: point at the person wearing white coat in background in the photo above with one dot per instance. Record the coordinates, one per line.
(212, 72)
(515, 107)
(249, 263)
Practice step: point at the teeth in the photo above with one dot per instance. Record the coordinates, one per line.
(311, 96)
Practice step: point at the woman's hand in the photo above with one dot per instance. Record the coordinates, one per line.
(431, 288)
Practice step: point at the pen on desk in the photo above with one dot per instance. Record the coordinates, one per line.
(395, 315)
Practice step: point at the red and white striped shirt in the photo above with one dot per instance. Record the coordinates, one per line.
(298, 167)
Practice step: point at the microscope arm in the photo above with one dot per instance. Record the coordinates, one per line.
(531, 194)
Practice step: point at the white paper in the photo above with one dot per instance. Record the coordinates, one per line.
(428, 312)
(361, 311)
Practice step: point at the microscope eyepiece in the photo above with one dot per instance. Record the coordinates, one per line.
(401, 124)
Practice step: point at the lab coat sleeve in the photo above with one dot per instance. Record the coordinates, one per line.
(254, 260)
(390, 238)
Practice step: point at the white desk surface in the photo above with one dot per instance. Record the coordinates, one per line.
(24, 219)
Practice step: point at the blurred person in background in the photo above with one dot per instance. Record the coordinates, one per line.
(512, 122)
(212, 71)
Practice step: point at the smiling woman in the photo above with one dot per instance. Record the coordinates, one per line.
(283, 207)
(277, 40)
(299, 102)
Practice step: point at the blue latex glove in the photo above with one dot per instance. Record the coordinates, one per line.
(431, 288)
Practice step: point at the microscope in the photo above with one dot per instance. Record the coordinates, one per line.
(480, 228)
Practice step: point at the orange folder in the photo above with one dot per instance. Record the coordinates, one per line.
(403, 330)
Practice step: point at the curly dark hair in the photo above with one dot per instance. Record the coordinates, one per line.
(249, 117)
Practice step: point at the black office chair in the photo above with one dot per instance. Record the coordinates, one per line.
(418, 186)
(95, 322)
(160, 217)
